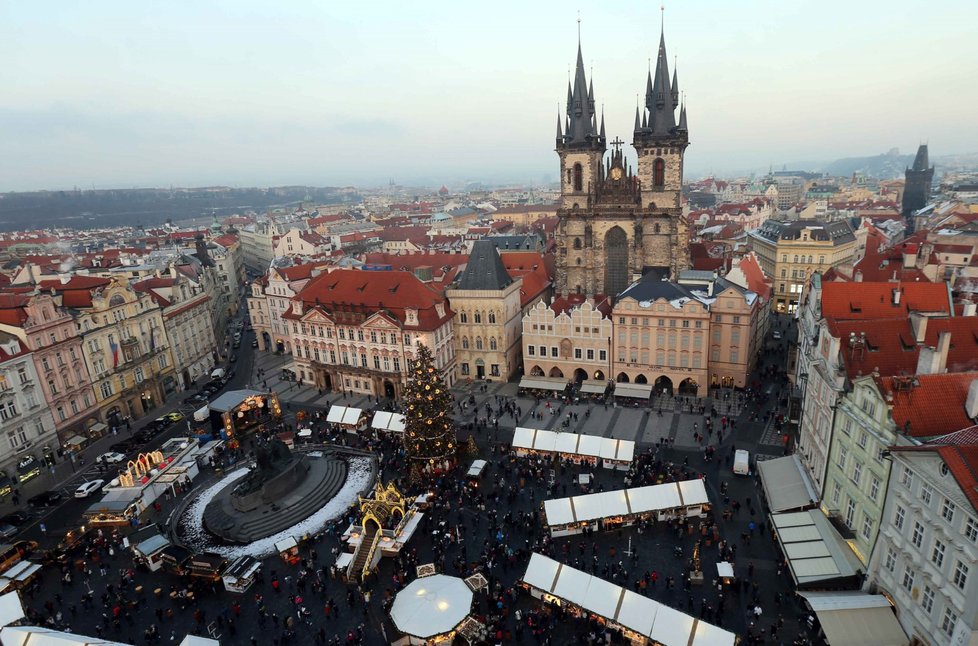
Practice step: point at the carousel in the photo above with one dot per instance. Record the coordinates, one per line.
(241, 412)
(387, 523)
(430, 610)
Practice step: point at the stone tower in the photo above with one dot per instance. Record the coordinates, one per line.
(613, 224)
(916, 191)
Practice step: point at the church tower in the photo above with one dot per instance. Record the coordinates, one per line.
(614, 225)
(916, 189)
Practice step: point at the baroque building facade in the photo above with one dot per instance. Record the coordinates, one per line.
(614, 225)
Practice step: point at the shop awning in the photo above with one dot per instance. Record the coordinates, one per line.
(557, 384)
(815, 551)
(98, 427)
(856, 619)
(725, 570)
(75, 440)
(636, 391)
(787, 484)
(593, 387)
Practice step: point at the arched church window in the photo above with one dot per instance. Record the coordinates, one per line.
(492, 317)
(492, 343)
(578, 178)
(577, 243)
(465, 343)
(463, 317)
(478, 317)
(659, 173)
(657, 228)
(478, 343)
(578, 260)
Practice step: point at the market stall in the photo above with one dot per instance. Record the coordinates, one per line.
(623, 507)
(175, 558)
(240, 412)
(574, 447)
(349, 419)
(206, 566)
(240, 574)
(554, 384)
(288, 549)
(149, 550)
(388, 422)
(640, 619)
(19, 576)
(428, 610)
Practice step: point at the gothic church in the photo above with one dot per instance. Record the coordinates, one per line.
(614, 224)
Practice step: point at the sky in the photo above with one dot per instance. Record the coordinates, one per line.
(186, 93)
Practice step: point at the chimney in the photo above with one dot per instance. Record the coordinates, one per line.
(64, 278)
(968, 308)
(858, 277)
(943, 346)
(896, 296)
(909, 257)
(927, 361)
(971, 401)
(919, 324)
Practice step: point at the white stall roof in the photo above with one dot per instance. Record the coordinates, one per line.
(815, 551)
(523, 437)
(595, 387)
(609, 448)
(856, 619)
(545, 441)
(352, 415)
(725, 569)
(567, 443)
(544, 383)
(38, 636)
(381, 420)
(636, 391)
(398, 423)
(787, 484)
(201, 414)
(626, 451)
(559, 511)
(624, 607)
(335, 414)
(286, 543)
(590, 445)
(693, 492)
(11, 609)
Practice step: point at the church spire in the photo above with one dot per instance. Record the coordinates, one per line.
(602, 122)
(560, 135)
(662, 98)
(583, 129)
(675, 85)
(682, 118)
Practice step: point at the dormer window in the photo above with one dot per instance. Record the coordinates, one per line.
(410, 316)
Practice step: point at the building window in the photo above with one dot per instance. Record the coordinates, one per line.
(465, 369)
(363, 360)
(492, 343)
(106, 389)
(937, 554)
(857, 473)
(927, 599)
(578, 178)
(843, 454)
(850, 513)
(659, 173)
(863, 439)
(874, 489)
(906, 478)
(465, 344)
(867, 530)
(61, 414)
(578, 354)
(908, 575)
(899, 515)
(530, 350)
(926, 493)
(947, 511)
(376, 362)
(960, 575)
(492, 317)
(602, 355)
(949, 622)
(917, 537)
(494, 370)
(836, 493)
(890, 562)
(971, 530)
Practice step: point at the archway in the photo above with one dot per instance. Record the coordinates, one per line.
(663, 386)
(580, 375)
(536, 371)
(616, 261)
(279, 346)
(641, 379)
(388, 389)
(622, 378)
(598, 374)
(556, 372)
(327, 382)
(688, 387)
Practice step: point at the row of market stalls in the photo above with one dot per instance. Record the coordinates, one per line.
(640, 619)
(348, 418)
(613, 509)
(387, 422)
(574, 447)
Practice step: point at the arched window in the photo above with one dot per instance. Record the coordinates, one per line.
(578, 178)
(492, 317)
(478, 343)
(465, 343)
(657, 229)
(463, 317)
(577, 243)
(659, 173)
(478, 317)
(492, 343)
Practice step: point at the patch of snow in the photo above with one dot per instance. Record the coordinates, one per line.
(358, 476)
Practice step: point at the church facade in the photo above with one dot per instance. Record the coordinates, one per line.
(616, 223)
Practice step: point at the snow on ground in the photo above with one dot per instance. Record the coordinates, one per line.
(358, 476)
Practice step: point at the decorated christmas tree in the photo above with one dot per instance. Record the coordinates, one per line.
(429, 434)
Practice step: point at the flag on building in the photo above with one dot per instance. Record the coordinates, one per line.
(115, 352)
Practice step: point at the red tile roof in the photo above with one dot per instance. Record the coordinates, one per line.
(12, 310)
(874, 300)
(959, 451)
(359, 294)
(756, 282)
(930, 405)
(532, 268)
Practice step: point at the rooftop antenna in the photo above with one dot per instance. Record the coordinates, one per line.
(578, 27)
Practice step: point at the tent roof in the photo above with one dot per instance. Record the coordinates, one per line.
(786, 484)
(856, 619)
(431, 606)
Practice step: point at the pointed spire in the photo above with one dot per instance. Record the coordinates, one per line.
(560, 135)
(682, 118)
(570, 96)
(638, 123)
(582, 119)
(602, 122)
(675, 85)
(661, 98)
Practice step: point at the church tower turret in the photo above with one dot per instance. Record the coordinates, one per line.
(582, 145)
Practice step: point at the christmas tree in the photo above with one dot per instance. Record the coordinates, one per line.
(429, 434)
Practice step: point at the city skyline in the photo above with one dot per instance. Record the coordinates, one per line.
(244, 94)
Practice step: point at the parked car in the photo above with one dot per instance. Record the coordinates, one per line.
(8, 531)
(254, 343)
(16, 518)
(236, 345)
(125, 446)
(196, 399)
(88, 488)
(46, 499)
(233, 358)
(777, 335)
(174, 417)
(110, 458)
(145, 435)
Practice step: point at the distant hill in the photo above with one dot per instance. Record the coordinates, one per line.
(149, 206)
(886, 166)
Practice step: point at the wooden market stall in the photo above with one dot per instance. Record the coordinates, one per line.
(388, 422)
(349, 419)
(623, 507)
(288, 549)
(240, 574)
(148, 550)
(574, 447)
(640, 619)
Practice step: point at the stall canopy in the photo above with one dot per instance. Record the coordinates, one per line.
(11, 609)
(816, 554)
(75, 440)
(385, 421)
(635, 612)
(856, 619)
(624, 502)
(202, 414)
(606, 448)
(544, 383)
(431, 606)
(344, 415)
(98, 427)
(636, 391)
(593, 387)
(232, 399)
(786, 484)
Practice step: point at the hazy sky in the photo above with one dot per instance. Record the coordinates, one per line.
(319, 92)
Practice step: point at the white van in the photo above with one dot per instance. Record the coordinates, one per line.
(741, 465)
(217, 373)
